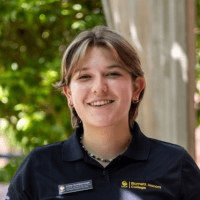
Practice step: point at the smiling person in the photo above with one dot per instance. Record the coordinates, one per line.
(108, 157)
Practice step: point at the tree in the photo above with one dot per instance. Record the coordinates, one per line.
(33, 37)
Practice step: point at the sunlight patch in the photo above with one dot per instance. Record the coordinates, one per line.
(128, 195)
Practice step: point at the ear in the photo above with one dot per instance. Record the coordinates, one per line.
(139, 85)
(66, 91)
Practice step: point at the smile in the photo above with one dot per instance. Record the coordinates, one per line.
(101, 103)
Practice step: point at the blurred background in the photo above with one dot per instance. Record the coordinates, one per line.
(33, 37)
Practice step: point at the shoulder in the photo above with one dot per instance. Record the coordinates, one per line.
(50, 148)
(166, 145)
(173, 156)
(39, 160)
(167, 152)
(170, 147)
(46, 152)
(174, 161)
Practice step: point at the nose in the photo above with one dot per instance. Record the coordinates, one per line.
(100, 86)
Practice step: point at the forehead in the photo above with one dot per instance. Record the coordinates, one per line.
(97, 56)
(82, 69)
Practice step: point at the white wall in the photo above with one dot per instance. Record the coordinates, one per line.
(159, 31)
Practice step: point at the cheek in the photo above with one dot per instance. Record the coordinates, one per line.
(74, 92)
(73, 87)
(78, 92)
(125, 88)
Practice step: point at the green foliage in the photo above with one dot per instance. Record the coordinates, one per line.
(7, 172)
(33, 37)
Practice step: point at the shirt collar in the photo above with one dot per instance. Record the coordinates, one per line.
(72, 149)
(138, 150)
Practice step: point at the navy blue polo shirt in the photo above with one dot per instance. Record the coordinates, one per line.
(148, 170)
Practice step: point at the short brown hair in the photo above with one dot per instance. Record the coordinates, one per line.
(101, 36)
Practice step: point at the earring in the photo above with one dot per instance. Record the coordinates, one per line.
(70, 104)
(135, 101)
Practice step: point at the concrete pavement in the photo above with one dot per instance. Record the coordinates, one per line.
(3, 190)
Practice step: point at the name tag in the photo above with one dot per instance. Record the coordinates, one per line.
(75, 187)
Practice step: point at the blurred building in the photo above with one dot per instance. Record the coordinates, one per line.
(163, 34)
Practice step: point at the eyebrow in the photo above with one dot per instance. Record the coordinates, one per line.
(108, 67)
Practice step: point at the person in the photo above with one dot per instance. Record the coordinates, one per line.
(108, 156)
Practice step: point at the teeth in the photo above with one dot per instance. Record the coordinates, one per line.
(101, 103)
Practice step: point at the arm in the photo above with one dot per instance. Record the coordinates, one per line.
(20, 187)
(190, 179)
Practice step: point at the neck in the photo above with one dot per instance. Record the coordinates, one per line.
(106, 142)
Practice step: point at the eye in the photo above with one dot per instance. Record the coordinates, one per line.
(84, 77)
(113, 74)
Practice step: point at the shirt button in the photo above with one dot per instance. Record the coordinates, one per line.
(104, 172)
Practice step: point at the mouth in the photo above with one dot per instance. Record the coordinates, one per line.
(100, 103)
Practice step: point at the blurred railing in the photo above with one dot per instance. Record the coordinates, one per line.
(9, 156)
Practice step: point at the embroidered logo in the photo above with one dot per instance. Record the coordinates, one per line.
(124, 184)
(138, 185)
(75, 187)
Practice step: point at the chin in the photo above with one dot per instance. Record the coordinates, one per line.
(102, 124)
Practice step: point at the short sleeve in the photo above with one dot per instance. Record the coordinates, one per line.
(190, 179)
(20, 187)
